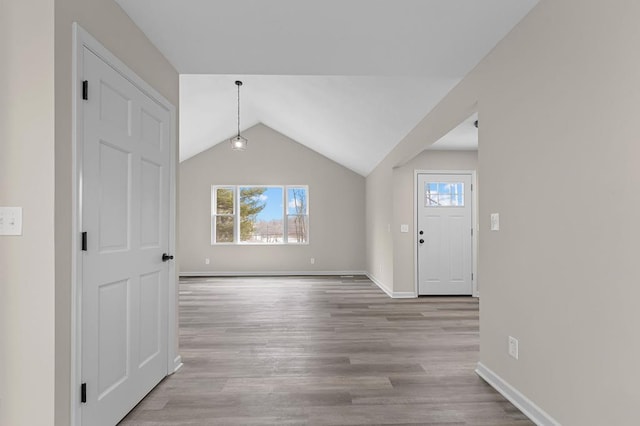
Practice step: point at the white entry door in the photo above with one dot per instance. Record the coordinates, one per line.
(125, 214)
(444, 234)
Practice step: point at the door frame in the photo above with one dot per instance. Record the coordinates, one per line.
(474, 224)
(82, 39)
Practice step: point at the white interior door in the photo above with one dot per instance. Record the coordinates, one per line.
(444, 234)
(125, 213)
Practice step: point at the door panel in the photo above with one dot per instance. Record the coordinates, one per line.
(150, 215)
(113, 321)
(152, 131)
(125, 212)
(150, 323)
(114, 197)
(445, 218)
(432, 247)
(458, 230)
(115, 108)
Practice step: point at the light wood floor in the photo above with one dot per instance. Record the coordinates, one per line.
(322, 350)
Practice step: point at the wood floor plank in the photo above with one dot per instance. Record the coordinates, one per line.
(322, 351)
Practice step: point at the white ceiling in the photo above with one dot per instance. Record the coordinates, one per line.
(464, 137)
(355, 121)
(386, 64)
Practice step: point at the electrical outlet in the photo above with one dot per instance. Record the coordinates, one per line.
(404, 228)
(207, 261)
(313, 260)
(513, 347)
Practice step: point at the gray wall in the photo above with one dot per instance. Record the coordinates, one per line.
(35, 173)
(336, 202)
(403, 178)
(27, 179)
(558, 159)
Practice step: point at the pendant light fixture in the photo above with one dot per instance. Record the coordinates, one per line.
(238, 143)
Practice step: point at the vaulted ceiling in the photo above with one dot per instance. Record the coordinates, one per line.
(347, 78)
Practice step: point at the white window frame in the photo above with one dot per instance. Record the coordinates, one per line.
(236, 215)
(214, 213)
(286, 214)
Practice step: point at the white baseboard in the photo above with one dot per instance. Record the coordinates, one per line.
(404, 295)
(392, 294)
(266, 273)
(524, 404)
(177, 364)
(379, 284)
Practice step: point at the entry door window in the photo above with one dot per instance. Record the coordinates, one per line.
(444, 194)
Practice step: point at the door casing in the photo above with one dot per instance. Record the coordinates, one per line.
(82, 39)
(474, 224)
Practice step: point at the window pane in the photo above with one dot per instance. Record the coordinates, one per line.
(224, 229)
(444, 200)
(297, 201)
(444, 194)
(431, 195)
(457, 194)
(266, 232)
(224, 201)
(261, 214)
(297, 229)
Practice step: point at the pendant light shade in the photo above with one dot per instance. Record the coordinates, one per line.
(238, 143)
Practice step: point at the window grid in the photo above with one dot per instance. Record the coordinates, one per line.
(223, 214)
(290, 228)
(444, 194)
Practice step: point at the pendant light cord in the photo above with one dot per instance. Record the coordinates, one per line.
(238, 83)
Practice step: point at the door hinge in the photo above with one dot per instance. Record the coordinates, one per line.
(472, 187)
(472, 232)
(472, 276)
(83, 393)
(85, 90)
(84, 241)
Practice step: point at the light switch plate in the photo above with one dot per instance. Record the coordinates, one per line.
(404, 228)
(513, 347)
(495, 221)
(10, 220)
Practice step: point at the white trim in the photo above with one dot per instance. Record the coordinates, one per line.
(177, 364)
(404, 295)
(475, 208)
(474, 223)
(81, 39)
(524, 404)
(172, 299)
(76, 226)
(266, 273)
(392, 294)
(236, 215)
(381, 285)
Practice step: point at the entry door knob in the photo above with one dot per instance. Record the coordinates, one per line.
(166, 257)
